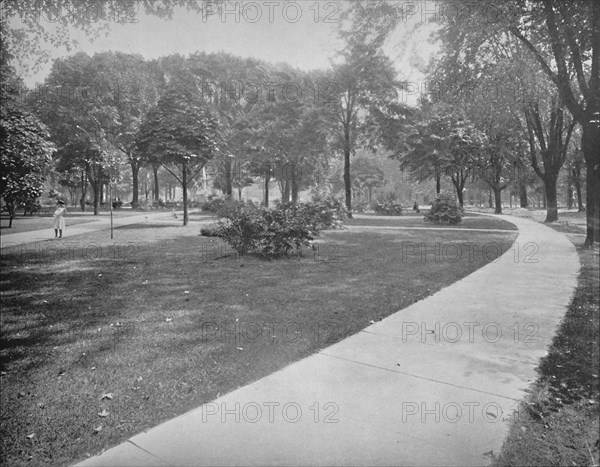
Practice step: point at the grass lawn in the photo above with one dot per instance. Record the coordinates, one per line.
(469, 222)
(558, 424)
(42, 222)
(175, 322)
(25, 224)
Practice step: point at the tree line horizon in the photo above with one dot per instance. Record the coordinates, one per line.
(179, 113)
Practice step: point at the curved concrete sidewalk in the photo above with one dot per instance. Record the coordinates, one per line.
(433, 384)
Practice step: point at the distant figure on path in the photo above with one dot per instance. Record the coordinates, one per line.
(416, 208)
(59, 219)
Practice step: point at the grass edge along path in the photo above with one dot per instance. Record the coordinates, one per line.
(94, 351)
(558, 423)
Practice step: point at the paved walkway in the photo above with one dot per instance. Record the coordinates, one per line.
(101, 223)
(433, 384)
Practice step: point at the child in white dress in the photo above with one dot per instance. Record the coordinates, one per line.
(59, 219)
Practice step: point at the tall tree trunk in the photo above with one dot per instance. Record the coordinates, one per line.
(591, 152)
(577, 184)
(459, 185)
(438, 182)
(10, 207)
(523, 195)
(490, 199)
(569, 194)
(285, 196)
(97, 193)
(347, 179)
(184, 188)
(156, 189)
(498, 201)
(551, 196)
(240, 193)
(294, 185)
(228, 177)
(267, 179)
(135, 170)
(83, 190)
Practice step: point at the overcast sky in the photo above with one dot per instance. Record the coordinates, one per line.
(303, 34)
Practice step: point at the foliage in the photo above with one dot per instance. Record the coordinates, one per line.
(444, 210)
(211, 230)
(274, 232)
(329, 211)
(223, 207)
(25, 156)
(183, 132)
(387, 207)
(265, 232)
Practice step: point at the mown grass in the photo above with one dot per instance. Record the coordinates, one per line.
(27, 224)
(558, 423)
(171, 326)
(470, 221)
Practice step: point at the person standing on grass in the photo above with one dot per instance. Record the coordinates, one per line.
(59, 219)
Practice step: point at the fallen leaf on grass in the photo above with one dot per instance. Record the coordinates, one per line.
(168, 320)
(108, 395)
(30, 436)
(97, 429)
(240, 348)
(104, 413)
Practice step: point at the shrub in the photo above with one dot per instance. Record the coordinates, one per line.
(444, 210)
(265, 232)
(211, 230)
(329, 211)
(213, 205)
(387, 208)
(223, 206)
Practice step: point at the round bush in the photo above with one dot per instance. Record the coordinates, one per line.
(444, 210)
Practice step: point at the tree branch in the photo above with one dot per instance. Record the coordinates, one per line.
(172, 173)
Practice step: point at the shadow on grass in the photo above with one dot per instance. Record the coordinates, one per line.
(183, 321)
(43, 309)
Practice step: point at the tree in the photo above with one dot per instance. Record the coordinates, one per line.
(51, 22)
(362, 84)
(137, 92)
(571, 30)
(182, 130)
(552, 147)
(26, 154)
(77, 102)
(368, 174)
(562, 37)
